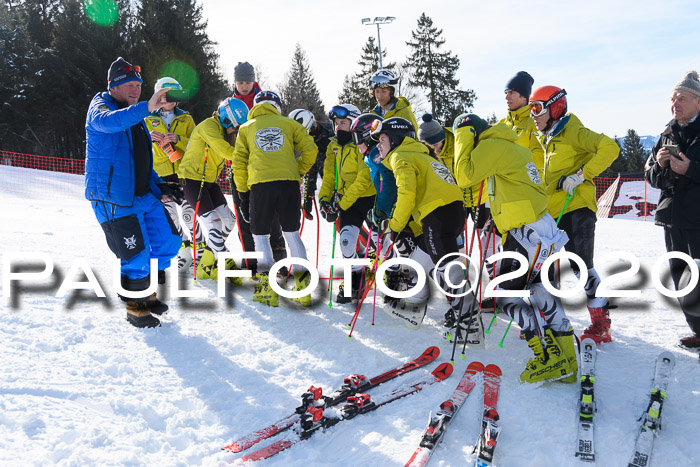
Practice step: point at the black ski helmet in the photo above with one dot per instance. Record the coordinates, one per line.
(362, 129)
(395, 128)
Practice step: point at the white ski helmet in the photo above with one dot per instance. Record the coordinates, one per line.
(167, 82)
(383, 79)
(303, 116)
(348, 111)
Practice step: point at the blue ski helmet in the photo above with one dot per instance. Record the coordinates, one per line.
(232, 112)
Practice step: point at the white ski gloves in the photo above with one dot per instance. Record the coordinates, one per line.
(572, 181)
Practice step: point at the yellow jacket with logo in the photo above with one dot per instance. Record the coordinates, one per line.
(515, 189)
(422, 183)
(447, 157)
(183, 126)
(354, 180)
(523, 125)
(402, 109)
(569, 146)
(265, 148)
(209, 134)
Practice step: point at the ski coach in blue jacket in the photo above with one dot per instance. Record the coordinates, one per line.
(124, 190)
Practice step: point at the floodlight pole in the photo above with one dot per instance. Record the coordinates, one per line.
(378, 20)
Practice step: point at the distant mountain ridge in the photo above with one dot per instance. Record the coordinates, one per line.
(647, 141)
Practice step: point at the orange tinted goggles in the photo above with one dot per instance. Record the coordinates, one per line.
(537, 108)
(130, 68)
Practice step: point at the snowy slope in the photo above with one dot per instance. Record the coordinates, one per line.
(79, 386)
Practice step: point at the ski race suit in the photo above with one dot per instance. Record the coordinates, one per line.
(568, 147)
(519, 209)
(400, 108)
(130, 213)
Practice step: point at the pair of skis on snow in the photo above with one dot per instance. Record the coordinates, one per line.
(651, 418)
(319, 412)
(438, 423)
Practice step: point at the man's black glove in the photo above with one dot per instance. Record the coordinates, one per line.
(328, 211)
(308, 206)
(173, 190)
(244, 206)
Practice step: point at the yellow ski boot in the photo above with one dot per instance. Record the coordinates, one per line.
(263, 292)
(565, 340)
(301, 282)
(549, 364)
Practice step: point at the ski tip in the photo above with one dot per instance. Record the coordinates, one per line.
(432, 351)
(588, 341)
(667, 356)
(493, 368)
(475, 366)
(443, 371)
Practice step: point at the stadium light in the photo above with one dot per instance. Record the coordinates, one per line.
(378, 20)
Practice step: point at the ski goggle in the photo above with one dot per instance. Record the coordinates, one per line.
(376, 129)
(338, 112)
(130, 68)
(380, 82)
(537, 108)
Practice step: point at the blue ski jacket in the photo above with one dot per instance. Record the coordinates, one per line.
(109, 161)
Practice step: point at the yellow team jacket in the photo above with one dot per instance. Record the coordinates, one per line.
(524, 126)
(447, 157)
(265, 148)
(569, 146)
(515, 189)
(422, 184)
(354, 179)
(183, 126)
(208, 134)
(401, 109)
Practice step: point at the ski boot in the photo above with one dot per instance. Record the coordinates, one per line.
(396, 279)
(565, 341)
(229, 265)
(206, 263)
(471, 328)
(263, 293)
(356, 287)
(549, 363)
(139, 315)
(301, 282)
(599, 330)
(690, 342)
(184, 257)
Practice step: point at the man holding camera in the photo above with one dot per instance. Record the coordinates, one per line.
(674, 168)
(126, 194)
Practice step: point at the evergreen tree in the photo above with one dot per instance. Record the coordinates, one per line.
(634, 152)
(170, 38)
(618, 166)
(435, 71)
(356, 87)
(299, 90)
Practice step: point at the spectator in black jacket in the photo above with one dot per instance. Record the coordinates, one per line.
(674, 168)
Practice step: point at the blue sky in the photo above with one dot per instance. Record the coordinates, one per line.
(618, 60)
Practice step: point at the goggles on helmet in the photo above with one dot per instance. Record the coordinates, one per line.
(380, 82)
(130, 68)
(537, 108)
(338, 111)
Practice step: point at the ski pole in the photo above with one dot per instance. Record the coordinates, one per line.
(568, 198)
(194, 221)
(495, 305)
(335, 192)
(318, 230)
(459, 319)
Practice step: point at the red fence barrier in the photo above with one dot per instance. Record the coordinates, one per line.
(619, 198)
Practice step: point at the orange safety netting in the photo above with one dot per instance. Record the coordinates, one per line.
(624, 197)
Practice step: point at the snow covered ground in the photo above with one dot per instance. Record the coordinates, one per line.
(79, 386)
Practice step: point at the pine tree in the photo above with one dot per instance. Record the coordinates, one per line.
(435, 71)
(634, 152)
(619, 165)
(171, 39)
(299, 90)
(356, 87)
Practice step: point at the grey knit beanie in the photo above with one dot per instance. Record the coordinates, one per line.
(244, 71)
(689, 83)
(430, 131)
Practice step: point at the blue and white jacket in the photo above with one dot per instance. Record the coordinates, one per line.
(109, 161)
